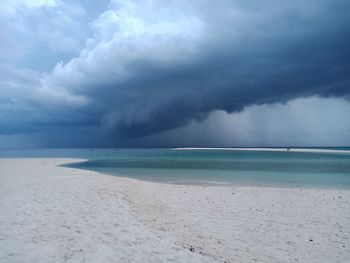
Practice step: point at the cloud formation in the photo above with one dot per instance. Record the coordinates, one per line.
(302, 122)
(139, 68)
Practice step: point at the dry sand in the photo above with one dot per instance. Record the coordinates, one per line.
(56, 214)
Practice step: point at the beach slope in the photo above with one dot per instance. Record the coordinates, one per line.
(57, 214)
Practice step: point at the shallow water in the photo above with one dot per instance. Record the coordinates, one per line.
(289, 169)
(286, 169)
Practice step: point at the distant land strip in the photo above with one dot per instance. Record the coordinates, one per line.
(282, 149)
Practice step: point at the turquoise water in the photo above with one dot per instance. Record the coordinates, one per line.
(282, 169)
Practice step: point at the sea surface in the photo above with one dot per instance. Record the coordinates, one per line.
(253, 168)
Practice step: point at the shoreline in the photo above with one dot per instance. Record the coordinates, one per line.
(61, 214)
(211, 183)
(221, 183)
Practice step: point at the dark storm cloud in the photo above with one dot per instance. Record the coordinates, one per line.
(153, 66)
(239, 55)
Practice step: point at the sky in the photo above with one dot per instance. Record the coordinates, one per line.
(166, 73)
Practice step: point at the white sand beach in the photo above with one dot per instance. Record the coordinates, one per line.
(56, 214)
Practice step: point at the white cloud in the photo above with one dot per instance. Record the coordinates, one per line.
(36, 34)
(121, 39)
(29, 3)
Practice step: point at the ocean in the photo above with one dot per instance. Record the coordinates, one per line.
(213, 167)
